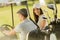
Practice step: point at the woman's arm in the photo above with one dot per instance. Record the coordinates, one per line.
(43, 23)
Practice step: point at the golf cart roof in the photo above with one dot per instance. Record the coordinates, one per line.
(13, 1)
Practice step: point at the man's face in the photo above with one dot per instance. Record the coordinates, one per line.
(20, 16)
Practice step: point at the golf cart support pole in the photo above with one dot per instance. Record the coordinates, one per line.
(27, 9)
(55, 11)
(12, 15)
(29, 14)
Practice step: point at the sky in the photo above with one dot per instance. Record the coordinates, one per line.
(42, 2)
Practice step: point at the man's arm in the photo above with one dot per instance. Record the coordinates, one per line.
(13, 31)
(9, 33)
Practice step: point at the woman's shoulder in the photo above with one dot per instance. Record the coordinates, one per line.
(43, 16)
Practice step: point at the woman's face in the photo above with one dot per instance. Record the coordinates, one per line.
(37, 11)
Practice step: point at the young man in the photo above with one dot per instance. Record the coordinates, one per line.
(23, 28)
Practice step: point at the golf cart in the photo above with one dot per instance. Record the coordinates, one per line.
(37, 34)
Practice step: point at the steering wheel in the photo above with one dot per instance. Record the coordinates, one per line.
(5, 27)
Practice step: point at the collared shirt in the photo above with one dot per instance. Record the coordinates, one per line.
(25, 27)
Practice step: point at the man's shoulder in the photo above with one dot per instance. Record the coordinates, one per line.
(25, 21)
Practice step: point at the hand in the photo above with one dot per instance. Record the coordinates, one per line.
(6, 32)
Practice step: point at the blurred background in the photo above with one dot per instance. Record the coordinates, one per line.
(5, 10)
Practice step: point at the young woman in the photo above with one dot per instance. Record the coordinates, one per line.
(41, 20)
(39, 16)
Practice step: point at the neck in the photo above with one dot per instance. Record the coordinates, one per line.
(23, 19)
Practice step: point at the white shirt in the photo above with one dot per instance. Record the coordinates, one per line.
(24, 28)
(41, 18)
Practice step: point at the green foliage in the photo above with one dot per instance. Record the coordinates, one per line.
(51, 1)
